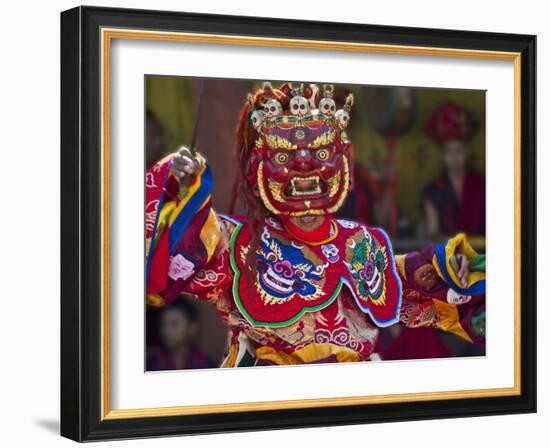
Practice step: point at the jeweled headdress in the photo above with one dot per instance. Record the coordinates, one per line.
(298, 108)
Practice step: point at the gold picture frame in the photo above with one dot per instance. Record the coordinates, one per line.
(107, 30)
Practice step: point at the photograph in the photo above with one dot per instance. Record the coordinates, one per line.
(253, 224)
(301, 222)
(281, 223)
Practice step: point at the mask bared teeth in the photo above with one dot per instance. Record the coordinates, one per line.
(305, 186)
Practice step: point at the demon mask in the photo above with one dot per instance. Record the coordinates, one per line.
(301, 160)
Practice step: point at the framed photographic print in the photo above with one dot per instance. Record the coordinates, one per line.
(276, 224)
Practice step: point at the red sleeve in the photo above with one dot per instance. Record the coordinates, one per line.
(183, 238)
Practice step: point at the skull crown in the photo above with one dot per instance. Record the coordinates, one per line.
(299, 104)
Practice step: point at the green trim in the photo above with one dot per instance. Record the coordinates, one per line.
(294, 119)
(248, 360)
(243, 310)
(478, 263)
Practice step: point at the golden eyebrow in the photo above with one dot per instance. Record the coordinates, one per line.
(325, 139)
(278, 142)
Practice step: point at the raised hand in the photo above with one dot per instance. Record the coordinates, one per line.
(461, 266)
(185, 166)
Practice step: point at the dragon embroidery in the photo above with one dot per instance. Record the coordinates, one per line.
(367, 261)
(285, 269)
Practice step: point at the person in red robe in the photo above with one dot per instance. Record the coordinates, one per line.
(294, 284)
(455, 201)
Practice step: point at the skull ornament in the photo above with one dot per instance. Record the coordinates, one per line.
(327, 106)
(299, 105)
(257, 117)
(330, 251)
(342, 116)
(456, 298)
(272, 108)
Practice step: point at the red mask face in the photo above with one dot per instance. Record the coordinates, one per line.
(303, 169)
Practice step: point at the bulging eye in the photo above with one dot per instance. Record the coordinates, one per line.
(322, 154)
(301, 274)
(281, 158)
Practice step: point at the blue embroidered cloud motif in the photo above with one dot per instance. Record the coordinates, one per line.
(285, 269)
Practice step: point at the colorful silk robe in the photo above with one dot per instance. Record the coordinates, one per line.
(303, 302)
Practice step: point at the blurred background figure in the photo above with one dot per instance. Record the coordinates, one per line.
(178, 335)
(455, 200)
